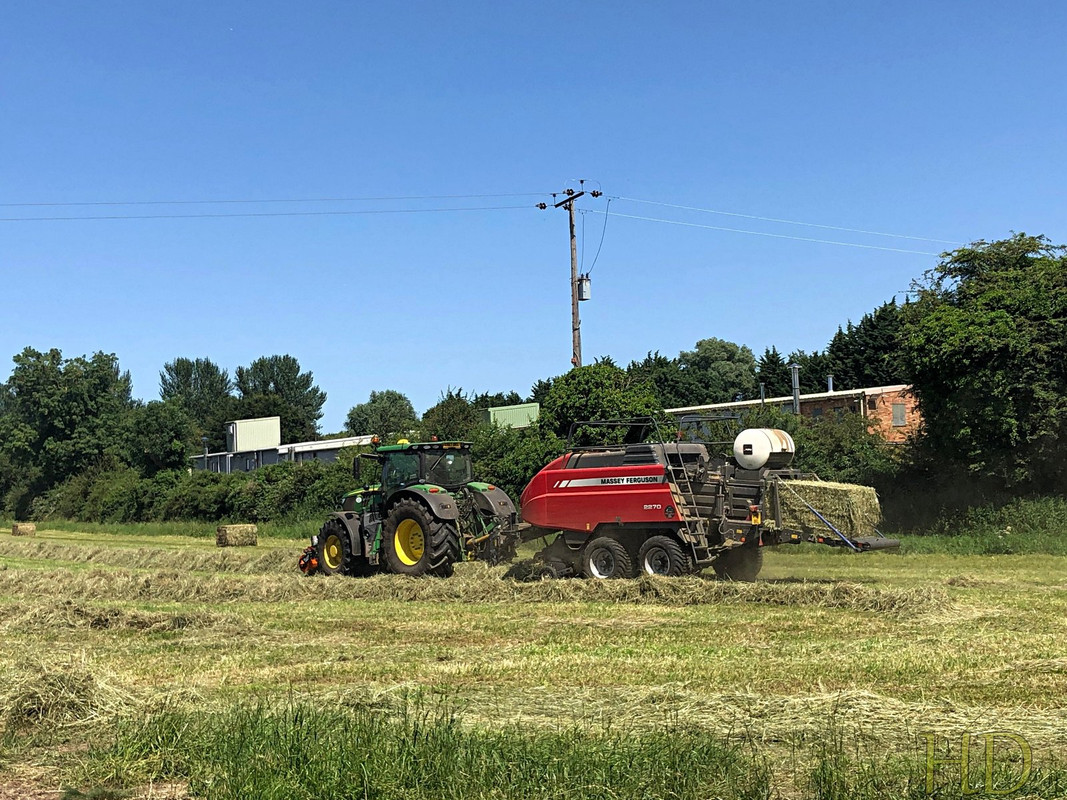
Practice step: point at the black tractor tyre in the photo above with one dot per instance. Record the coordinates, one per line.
(663, 555)
(334, 550)
(414, 542)
(739, 564)
(606, 558)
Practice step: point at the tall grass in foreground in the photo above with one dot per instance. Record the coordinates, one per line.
(841, 772)
(302, 751)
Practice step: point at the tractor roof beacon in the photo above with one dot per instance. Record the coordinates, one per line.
(641, 504)
(425, 513)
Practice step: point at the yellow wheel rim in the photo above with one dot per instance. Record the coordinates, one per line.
(408, 542)
(331, 551)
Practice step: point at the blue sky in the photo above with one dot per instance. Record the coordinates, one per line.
(940, 120)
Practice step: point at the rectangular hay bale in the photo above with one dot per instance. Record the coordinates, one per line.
(24, 529)
(853, 509)
(236, 536)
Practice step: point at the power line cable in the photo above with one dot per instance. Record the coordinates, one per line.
(771, 235)
(788, 221)
(267, 214)
(603, 230)
(273, 200)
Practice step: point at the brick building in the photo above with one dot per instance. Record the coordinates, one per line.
(891, 410)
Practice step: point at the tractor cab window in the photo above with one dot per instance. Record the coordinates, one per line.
(448, 468)
(400, 469)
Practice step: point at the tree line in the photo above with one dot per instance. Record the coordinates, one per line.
(980, 338)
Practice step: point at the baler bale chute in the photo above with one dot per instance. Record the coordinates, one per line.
(640, 503)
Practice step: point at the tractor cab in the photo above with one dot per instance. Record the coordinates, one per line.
(438, 464)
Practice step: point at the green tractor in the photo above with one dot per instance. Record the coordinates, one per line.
(425, 513)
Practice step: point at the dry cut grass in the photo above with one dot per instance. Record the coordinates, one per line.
(881, 649)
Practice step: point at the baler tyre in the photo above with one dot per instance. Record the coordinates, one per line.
(606, 558)
(334, 551)
(662, 555)
(739, 564)
(414, 542)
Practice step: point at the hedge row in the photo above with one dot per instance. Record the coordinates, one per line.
(120, 494)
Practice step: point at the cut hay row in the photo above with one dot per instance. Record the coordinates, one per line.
(797, 718)
(71, 615)
(477, 584)
(236, 536)
(67, 692)
(197, 560)
(851, 508)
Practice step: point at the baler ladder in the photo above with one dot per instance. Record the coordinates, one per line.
(685, 499)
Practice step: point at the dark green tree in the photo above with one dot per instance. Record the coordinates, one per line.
(674, 386)
(773, 372)
(510, 457)
(595, 392)
(58, 417)
(454, 417)
(385, 413)
(539, 391)
(984, 344)
(867, 354)
(494, 399)
(295, 397)
(160, 435)
(814, 368)
(719, 371)
(206, 392)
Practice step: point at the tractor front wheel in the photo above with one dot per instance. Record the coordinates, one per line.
(739, 563)
(414, 542)
(333, 550)
(662, 555)
(605, 558)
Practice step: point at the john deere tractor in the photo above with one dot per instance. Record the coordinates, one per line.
(425, 513)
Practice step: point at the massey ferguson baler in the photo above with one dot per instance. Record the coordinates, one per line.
(670, 508)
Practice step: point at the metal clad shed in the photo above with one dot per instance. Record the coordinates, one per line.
(248, 435)
(518, 416)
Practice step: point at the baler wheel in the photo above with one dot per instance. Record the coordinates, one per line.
(606, 558)
(739, 564)
(662, 555)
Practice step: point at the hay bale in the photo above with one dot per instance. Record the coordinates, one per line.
(23, 529)
(236, 536)
(853, 509)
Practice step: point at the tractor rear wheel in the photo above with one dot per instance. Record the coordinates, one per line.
(606, 558)
(739, 564)
(662, 555)
(414, 542)
(334, 551)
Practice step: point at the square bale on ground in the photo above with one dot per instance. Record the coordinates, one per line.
(236, 536)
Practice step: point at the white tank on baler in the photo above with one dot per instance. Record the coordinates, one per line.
(756, 448)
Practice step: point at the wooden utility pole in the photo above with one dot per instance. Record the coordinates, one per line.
(576, 323)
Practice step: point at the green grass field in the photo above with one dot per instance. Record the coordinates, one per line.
(151, 663)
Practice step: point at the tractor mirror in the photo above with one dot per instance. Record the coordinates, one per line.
(356, 464)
